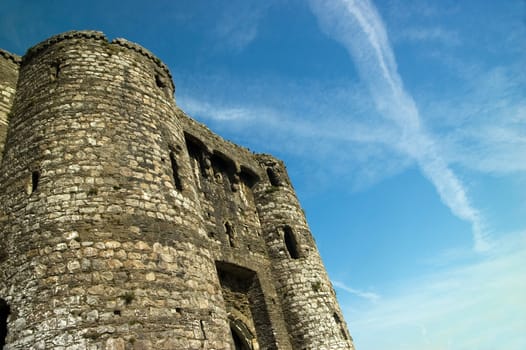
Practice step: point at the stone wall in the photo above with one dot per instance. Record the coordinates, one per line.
(9, 64)
(125, 224)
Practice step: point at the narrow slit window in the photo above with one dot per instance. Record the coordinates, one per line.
(159, 81)
(339, 323)
(4, 313)
(230, 233)
(291, 243)
(54, 70)
(175, 172)
(202, 324)
(35, 178)
(344, 334)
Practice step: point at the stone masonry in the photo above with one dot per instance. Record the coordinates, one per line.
(125, 224)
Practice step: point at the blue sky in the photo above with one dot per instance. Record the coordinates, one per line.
(403, 126)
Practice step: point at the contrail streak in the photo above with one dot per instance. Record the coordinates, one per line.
(359, 28)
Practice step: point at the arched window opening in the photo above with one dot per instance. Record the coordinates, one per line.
(4, 313)
(273, 177)
(175, 172)
(291, 243)
(229, 229)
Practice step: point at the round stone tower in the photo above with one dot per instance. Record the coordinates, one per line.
(101, 240)
(314, 319)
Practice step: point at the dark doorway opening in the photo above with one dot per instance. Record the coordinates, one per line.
(239, 343)
(246, 305)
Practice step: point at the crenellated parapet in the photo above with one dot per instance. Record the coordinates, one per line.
(74, 34)
(97, 35)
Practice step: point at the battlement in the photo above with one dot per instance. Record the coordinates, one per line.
(126, 224)
(75, 34)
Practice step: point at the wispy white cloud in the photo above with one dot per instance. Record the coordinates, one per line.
(482, 131)
(482, 123)
(403, 9)
(359, 293)
(358, 26)
(209, 111)
(316, 134)
(475, 304)
(477, 121)
(429, 34)
(238, 23)
(497, 149)
(278, 122)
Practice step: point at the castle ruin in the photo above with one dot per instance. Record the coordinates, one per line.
(125, 224)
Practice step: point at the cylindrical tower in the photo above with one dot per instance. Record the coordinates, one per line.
(314, 319)
(102, 240)
(9, 65)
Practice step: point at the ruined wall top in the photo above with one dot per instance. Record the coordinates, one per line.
(9, 56)
(243, 158)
